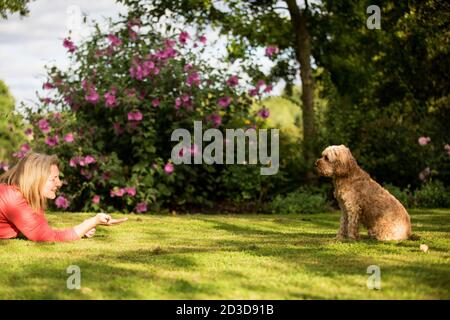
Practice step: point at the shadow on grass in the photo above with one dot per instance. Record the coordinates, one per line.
(127, 274)
(104, 277)
(314, 255)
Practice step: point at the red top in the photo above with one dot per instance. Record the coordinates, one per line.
(17, 216)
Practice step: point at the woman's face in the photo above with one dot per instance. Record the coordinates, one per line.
(52, 184)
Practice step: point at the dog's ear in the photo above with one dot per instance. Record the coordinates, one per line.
(344, 163)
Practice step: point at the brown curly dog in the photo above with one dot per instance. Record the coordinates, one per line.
(361, 199)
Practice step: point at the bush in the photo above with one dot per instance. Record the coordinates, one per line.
(432, 194)
(404, 196)
(112, 114)
(299, 201)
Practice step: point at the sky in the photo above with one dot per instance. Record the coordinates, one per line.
(29, 43)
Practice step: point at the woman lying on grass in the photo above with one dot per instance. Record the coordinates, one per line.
(24, 190)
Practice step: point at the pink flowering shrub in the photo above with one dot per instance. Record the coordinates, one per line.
(111, 115)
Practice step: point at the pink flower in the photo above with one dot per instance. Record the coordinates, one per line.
(181, 152)
(25, 147)
(131, 191)
(268, 88)
(117, 193)
(99, 53)
(167, 53)
(169, 43)
(215, 119)
(447, 148)
(117, 128)
(4, 166)
(130, 25)
(85, 84)
(233, 81)
(96, 199)
(69, 45)
(253, 92)
(224, 101)
(22, 152)
(44, 126)
(89, 159)
(73, 162)
(424, 141)
(202, 39)
(184, 36)
(93, 96)
(168, 168)
(135, 116)
(264, 113)
(69, 137)
(115, 41)
(110, 99)
(193, 78)
(148, 65)
(141, 207)
(48, 86)
(134, 22)
(52, 141)
(177, 103)
(194, 149)
(46, 101)
(187, 67)
(140, 70)
(133, 34)
(260, 84)
(29, 132)
(155, 102)
(62, 202)
(425, 174)
(271, 50)
(18, 154)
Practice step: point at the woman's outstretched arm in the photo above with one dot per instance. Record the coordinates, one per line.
(34, 226)
(99, 219)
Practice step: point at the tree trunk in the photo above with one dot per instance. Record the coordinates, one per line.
(303, 55)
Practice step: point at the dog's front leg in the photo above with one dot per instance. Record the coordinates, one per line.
(342, 233)
(353, 225)
(350, 217)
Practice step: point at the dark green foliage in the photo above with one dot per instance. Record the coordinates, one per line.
(432, 195)
(299, 201)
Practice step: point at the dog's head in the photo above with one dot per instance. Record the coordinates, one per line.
(336, 161)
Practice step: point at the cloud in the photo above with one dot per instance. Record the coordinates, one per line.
(28, 44)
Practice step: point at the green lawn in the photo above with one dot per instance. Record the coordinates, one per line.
(229, 257)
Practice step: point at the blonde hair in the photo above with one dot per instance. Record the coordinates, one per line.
(30, 175)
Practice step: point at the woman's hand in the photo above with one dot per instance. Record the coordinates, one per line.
(106, 220)
(87, 227)
(90, 233)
